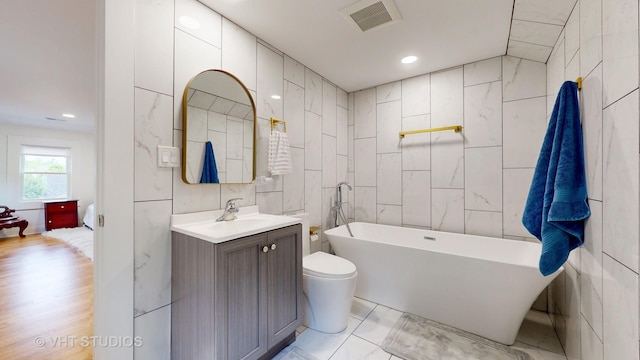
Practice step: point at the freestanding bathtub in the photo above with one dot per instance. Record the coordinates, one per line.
(478, 284)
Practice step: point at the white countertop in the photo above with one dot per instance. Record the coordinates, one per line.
(250, 221)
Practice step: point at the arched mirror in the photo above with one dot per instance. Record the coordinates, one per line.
(218, 109)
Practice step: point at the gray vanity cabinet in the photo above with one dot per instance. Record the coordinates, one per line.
(284, 272)
(241, 311)
(248, 306)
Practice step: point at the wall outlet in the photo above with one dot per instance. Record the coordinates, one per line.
(168, 156)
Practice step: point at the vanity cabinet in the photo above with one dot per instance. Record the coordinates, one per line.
(240, 299)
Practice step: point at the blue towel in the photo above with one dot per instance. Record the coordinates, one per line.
(557, 203)
(209, 168)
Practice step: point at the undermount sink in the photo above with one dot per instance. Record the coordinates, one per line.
(250, 221)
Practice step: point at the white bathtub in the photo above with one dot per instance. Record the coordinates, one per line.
(478, 284)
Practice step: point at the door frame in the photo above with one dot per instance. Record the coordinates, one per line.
(114, 233)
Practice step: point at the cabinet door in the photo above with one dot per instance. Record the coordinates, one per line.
(61, 214)
(240, 301)
(285, 282)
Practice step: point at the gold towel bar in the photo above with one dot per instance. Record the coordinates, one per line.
(274, 123)
(456, 128)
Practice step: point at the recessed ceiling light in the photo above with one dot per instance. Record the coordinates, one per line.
(69, 116)
(189, 22)
(409, 59)
(276, 97)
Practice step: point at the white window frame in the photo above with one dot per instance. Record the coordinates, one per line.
(65, 152)
(14, 169)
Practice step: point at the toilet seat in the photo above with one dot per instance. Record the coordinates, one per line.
(327, 266)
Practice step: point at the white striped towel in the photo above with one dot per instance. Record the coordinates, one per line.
(279, 157)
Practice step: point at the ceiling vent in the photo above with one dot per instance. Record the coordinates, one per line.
(369, 14)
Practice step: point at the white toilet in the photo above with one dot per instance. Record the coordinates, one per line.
(328, 283)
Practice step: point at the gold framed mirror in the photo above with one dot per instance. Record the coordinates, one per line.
(217, 108)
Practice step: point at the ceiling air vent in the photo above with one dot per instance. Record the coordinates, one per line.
(368, 14)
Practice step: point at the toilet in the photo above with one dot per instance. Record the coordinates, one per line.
(328, 283)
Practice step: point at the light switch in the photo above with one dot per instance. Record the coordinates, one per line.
(168, 156)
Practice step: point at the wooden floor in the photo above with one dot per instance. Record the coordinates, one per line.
(46, 300)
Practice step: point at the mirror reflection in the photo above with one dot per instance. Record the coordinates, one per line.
(218, 109)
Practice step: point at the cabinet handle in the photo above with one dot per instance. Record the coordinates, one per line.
(265, 249)
(273, 246)
(61, 206)
(49, 221)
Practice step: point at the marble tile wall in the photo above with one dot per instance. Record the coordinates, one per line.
(428, 180)
(168, 54)
(472, 182)
(594, 302)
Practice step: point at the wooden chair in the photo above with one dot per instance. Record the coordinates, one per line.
(8, 221)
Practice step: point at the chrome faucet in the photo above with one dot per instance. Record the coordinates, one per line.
(230, 210)
(337, 206)
(338, 203)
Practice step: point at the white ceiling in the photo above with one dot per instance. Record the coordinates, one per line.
(441, 33)
(47, 63)
(47, 66)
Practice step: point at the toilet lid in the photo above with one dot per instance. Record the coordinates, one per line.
(325, 265)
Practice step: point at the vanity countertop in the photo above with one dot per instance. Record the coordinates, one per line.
(250, 221)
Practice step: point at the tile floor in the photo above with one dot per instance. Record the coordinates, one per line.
(369, 324)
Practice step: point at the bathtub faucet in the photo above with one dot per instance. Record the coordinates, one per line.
(337, 206)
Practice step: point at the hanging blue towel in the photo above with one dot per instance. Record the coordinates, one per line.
(557, 207)
(209, 168)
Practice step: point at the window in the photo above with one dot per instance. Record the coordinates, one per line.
(45, 172)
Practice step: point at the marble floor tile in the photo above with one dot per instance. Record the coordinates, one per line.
(536, 330)
(356, 348)
(293, 353)
(376, 326)
(323, 345)
(370, 323)
(361, 308)
(538, 353)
